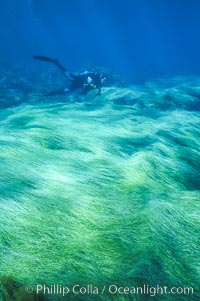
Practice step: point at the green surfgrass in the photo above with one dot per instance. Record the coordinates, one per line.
(100, 192)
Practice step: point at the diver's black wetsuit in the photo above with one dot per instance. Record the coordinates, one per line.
(86, 80)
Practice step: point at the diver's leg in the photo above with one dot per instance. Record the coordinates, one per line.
(58, 92)
(57, 63)
(74, 86)
(69, 75)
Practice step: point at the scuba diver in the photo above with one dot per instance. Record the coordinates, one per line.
(86, 80)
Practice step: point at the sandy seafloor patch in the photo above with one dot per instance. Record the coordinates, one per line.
(102, 192)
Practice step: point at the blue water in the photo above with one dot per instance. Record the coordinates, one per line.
(100, 191)
(144, 39)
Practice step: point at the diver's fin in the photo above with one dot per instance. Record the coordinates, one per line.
(45, 59)
(50, 60)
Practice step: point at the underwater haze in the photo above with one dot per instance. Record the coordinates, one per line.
(141, 38)
(99, 196)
